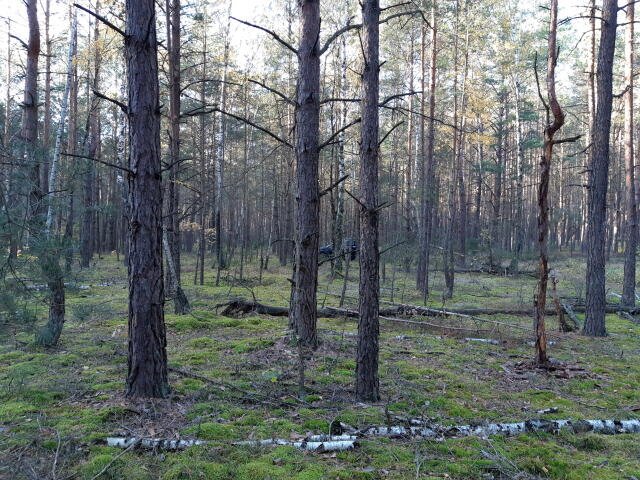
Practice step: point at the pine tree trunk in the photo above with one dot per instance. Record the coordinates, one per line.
(428, 184)
(599, 176)
(147, 360)
(367, 382)
(307, 212)
(629, 285)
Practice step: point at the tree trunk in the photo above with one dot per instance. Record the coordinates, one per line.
(180, 304)
(147, 360)
(307, 212)
(594, 324)
(367, 382)
(629, 286)
(427, 184)
(551, 128)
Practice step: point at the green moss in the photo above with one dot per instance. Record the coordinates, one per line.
(9, 410)
(212, 431)
(187, 469)
(251, 344)
(125, 466)
(261, 470)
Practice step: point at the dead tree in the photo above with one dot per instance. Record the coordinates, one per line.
(552, 108)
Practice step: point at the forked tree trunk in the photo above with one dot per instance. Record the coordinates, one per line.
(629, 285)
(551, 128)
(594, 324)
(367, 382)
(307, 212)
(147, 360)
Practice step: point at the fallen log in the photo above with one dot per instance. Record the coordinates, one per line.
(344, 437)
(312, 443)
(426, 430)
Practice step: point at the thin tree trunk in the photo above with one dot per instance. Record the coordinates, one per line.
(629, 286)
(551, 128)
(427, 186)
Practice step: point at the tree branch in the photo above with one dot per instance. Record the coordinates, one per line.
(108, 164)
(102, 19)
(254, 125)
(274, 91)
(122, 106)
(273, 34)
(333, 185)
(329, 140)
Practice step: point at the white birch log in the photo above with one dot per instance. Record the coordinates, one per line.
(415, 429)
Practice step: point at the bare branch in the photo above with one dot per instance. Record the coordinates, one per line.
(108, 164)
(333, 185)
(254, 125)
(389, 132)
(122, 106)
(101, 18)
(329, 140)
(273, 34)
(274, 91)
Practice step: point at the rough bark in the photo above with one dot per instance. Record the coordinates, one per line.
(551, 128)
(631, 246)
(180, 304)
(367, 381)
(147, 360)
(599, 175)
(307, 212)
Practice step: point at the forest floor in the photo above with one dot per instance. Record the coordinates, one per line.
(58, 406)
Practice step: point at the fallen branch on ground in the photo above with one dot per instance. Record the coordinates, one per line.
(346, 437)
(312, 443)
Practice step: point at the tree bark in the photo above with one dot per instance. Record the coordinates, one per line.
(307, 213)
(631, 246)
(367, 382)
(551, 128)
(599, 175)
(173, 215)
(147, 360)
(427, 184)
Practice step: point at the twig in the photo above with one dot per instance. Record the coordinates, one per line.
(106, 467)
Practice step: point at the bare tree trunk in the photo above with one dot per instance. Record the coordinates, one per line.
(629, 286)
(594, 324)
(219, 158)
(519, 221)
(53, 168)
(29, 132)
(367, 382)
(147, 360)
(88, 237)
(46, 128)
(427, 184)
(180, 303)
(307, 213)
(551, 128)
